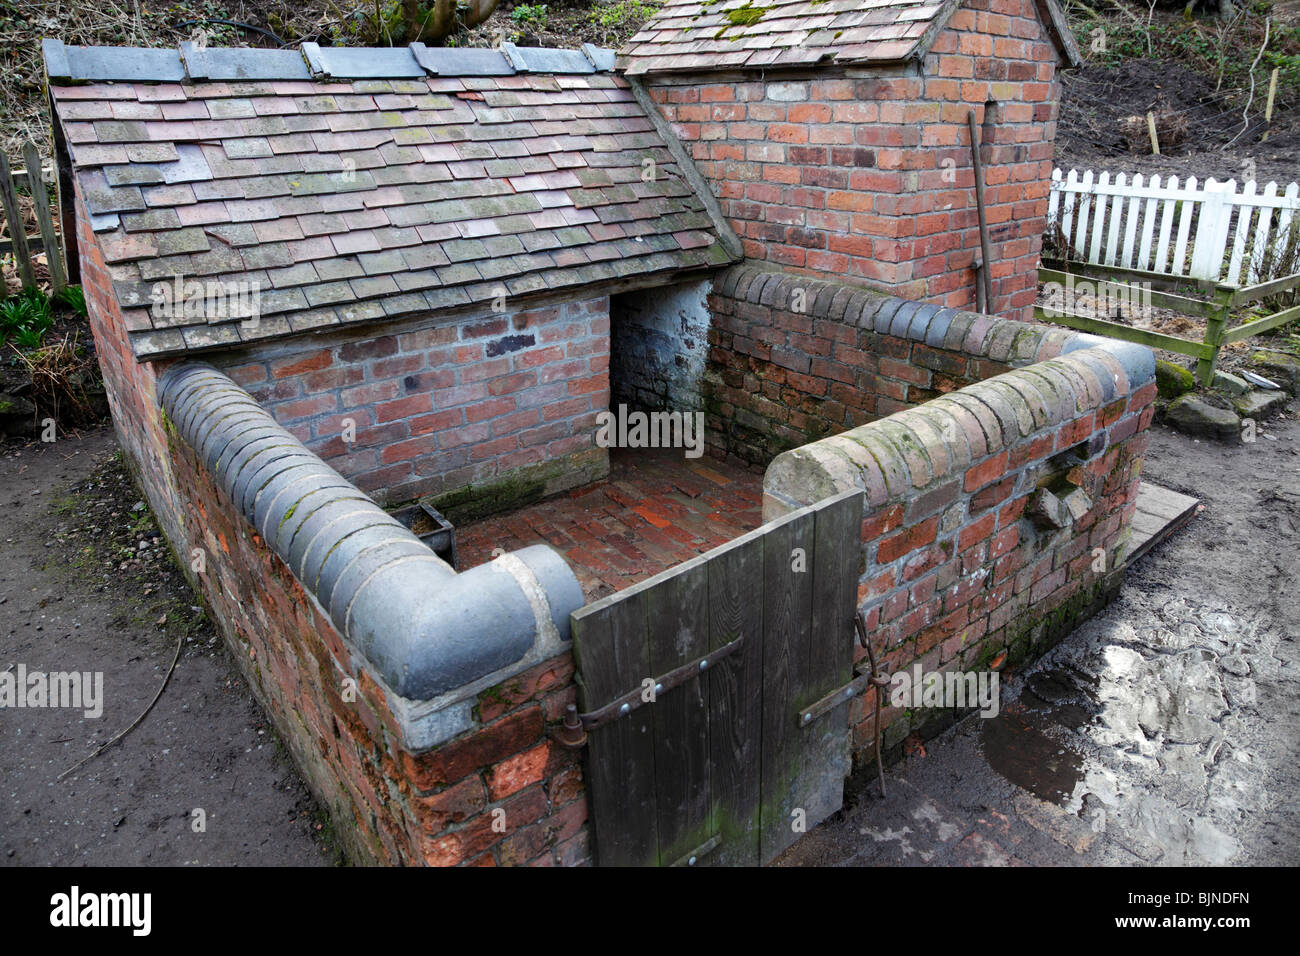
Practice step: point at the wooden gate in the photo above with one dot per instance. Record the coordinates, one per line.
(713, 695)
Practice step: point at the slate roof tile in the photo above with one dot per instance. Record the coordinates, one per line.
(351, 201)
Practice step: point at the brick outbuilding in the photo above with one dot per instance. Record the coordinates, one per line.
(835, 132)
(325, 281)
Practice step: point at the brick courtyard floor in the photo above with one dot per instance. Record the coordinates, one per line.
(654, 511)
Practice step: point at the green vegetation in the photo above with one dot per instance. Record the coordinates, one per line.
(747, 15)
(530, 15)
(399, 22)
(24, 319)
(624, 16)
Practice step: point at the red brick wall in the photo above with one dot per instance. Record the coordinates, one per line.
(955, 574)
(796, 359)
(501, 793)
(440, 408)
(870, 179)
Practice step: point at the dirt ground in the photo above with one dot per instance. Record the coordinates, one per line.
(87, 585)
(1095, 99)
(1164, 731)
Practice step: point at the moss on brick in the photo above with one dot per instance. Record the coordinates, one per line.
(521, 487)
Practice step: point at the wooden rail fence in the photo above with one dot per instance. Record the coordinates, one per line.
(21, 246)
(1201, 250)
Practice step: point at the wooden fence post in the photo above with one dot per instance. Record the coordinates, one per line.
(41, 203)
(17, 229)
(1215, 323)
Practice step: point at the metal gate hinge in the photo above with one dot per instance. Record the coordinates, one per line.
(622, 706)
(860, 683)
(690, 859)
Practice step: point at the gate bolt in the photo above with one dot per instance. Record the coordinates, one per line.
(571, 734)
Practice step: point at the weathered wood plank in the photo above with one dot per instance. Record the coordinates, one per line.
(787, 605)
(1260, 325)
(1115, 330)
(1180, 303)
(41, 204)
(1160, 512)
(736, 702)
(1272, 287)
(1161, 502)
(677, 615)
(611, 648)
(825, 742)
(17, 229)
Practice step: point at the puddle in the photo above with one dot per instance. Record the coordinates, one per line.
(1129, 737)
(1017, 747)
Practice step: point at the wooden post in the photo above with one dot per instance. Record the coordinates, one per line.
(41, 202)
(17, 230)
(1268, 107)
(1151, 128)
(1215, 323)
(979, 208)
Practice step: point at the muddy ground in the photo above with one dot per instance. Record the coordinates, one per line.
(87, 585)
(1096, 99)
(1165, 731)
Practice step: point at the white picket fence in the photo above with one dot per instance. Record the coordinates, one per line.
(1172, 229)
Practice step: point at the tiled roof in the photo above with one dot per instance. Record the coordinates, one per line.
(713, 34)
(693, 35)
(347, 200)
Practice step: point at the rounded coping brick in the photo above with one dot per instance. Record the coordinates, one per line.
(237, 467)
(237, 443)
(216, 441)
(424, 629)
(340, 577)
(259, 475)
(881, 320)
(480, 601)
(306, 505)
(1024, 416)
(277, 500)
(908, 450)
(908, 447)
(1027, 388)
(323, 542)
(316, 524)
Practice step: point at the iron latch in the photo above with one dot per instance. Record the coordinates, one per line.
(622, 706)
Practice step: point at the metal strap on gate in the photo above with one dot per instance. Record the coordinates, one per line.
(622, 706)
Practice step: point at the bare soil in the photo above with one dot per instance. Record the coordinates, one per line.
(1096, 99)
(87, 584)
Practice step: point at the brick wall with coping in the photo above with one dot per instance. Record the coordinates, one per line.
(868, 175)
(793, 358)
(500, 793)
(957, 573)
(438, 408)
